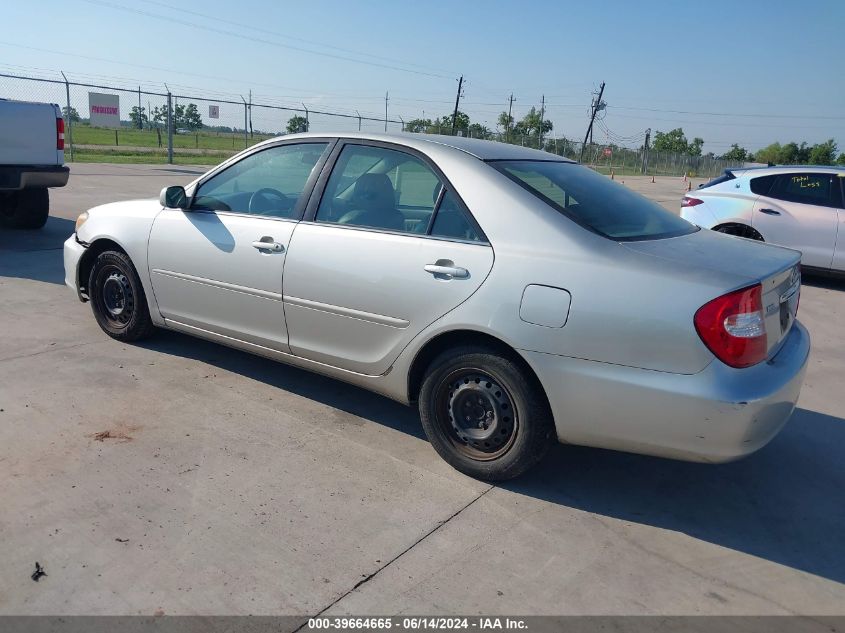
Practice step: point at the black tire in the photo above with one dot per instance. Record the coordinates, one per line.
(25, 209)
(118, 299)
(508, 426)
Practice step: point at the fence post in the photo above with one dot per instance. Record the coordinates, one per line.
(169, 127)
(69, 116)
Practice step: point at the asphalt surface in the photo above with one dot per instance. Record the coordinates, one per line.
(181, 477)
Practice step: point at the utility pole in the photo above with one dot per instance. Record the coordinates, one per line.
(68, 116)
(542, 116)
(140, 111)
(645, 150)
(508, 125)
(386, 99)
(597, 105)
(250, 114)
(457, 101)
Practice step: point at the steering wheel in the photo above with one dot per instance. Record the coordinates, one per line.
(263, 195)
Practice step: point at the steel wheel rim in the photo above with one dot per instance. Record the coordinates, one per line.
(116, 296)
(476, 413)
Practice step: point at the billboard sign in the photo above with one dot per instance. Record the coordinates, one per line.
(104, 109)
(213, 112)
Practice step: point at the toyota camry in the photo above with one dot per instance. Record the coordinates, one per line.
(516, 297)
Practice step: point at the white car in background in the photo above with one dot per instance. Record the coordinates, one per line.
(800, 207)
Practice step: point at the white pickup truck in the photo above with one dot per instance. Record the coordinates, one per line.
(32, 156)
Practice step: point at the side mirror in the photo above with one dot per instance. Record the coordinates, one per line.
(173, 197)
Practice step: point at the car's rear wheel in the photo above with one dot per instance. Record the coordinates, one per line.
(484, 414)
(740, 230)
(118, 299)
(25, 209)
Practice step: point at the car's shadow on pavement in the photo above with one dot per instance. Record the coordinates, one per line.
(334, 393)
(828, 282)
(36, 254)
(783, 504)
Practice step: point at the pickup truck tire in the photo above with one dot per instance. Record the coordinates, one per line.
(117, 298)
(25, 209)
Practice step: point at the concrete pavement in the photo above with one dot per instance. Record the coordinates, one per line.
(181, 477)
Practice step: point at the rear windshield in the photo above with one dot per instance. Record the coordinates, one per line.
(718, 180)
(594, 201)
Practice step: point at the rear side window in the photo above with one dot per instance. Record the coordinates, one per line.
(594, 201)
(807, 188)
(762, 185)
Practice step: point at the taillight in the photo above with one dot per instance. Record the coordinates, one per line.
(733, 327)
(60, 133)
(689, 201)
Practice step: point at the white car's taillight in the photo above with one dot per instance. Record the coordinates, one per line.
(733, 327)
(689, 201)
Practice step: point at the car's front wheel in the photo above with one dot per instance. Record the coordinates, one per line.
(484, 414)
(118, 299)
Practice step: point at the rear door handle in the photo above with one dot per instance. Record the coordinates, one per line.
(267, 244)
(769, 211)
(452, 272)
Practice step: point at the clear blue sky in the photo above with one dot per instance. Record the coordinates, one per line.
(701, 58)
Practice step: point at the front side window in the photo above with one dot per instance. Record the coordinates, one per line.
(267, 183)
(806, 188)
(594, 201)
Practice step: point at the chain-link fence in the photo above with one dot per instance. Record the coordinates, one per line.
(157, 124)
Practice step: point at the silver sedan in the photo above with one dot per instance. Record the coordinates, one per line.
(516, 296)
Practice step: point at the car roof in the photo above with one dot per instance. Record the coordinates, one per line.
(484, 150)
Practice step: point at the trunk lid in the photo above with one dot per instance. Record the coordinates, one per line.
(776, 268)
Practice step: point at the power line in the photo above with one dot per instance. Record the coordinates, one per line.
(252, 27)
(731, 114)
(251, 38)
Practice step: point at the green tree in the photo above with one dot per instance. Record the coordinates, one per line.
(418, 125)
(297, 124)
(769, 154)
(823, 153)
(676, 141)
(736, 153)
(70, 114)
(159, 115)
(191, 117)
(841, 159)
(694, 148)
(477, 130)
(505, 121)
(138, 116)
(444, 123)
(531, 124)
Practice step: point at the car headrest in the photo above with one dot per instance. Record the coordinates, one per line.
(374, 191)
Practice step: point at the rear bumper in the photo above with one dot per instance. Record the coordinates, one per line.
(716, 415)
(13, 177)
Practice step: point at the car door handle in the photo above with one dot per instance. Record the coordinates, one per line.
(263, 245)
(769, 211)
(454, 272)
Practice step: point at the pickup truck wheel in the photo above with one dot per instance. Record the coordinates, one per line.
(25, 209)
(118, 299)
(484, 415)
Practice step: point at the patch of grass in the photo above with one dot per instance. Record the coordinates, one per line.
(132, 137)
(97, 156)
